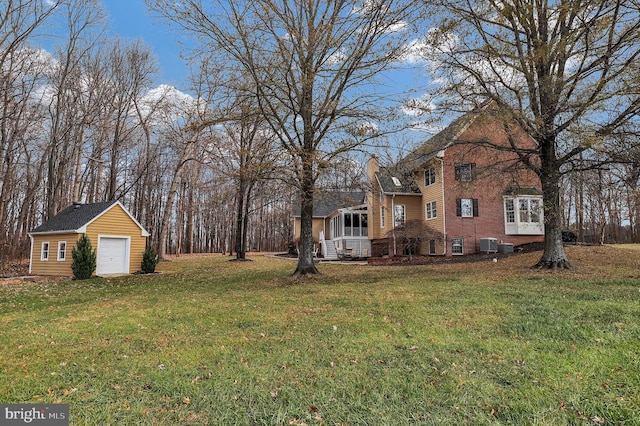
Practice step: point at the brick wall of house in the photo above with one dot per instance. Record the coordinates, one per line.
(495, 171)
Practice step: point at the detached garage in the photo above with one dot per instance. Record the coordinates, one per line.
(117, 237)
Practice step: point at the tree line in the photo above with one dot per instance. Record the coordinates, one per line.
(284, 93)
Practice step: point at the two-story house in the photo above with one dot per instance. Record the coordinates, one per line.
(474, 195)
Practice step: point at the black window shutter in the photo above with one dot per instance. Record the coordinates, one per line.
(473, 171)
(458, 207)
(475, 207)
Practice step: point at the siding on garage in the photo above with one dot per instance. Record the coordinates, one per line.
(52, 266)
(103, 219)
(117, 223)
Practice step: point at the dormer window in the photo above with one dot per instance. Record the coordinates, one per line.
(396, 181)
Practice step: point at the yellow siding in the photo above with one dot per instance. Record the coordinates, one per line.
(116, 222)
(52, 266)
(433, 192)
(413, 210)
(318, 225)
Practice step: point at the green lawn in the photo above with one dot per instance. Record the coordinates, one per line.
(217, 342)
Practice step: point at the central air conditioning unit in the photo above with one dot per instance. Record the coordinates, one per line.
(488, 245)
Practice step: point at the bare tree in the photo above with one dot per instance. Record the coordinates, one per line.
(21, 75)
(66, 123)
(565, 71)
(309, 61)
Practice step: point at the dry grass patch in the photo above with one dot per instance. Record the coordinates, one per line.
(217, 342)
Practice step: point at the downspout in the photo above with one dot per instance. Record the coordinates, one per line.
(444, 216)
(31, 257)
(393, 222)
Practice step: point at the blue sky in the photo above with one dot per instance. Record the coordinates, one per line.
(129, 20)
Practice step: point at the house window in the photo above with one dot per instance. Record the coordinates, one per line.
(465, 171)
(529, 210)
(510, 210)
(523, 215)
(430, 208)
(44, 251)
(347, 225)
(62, 250)
(457, 246)
(399, 215)
(429, 176)
(382, 217)
(364, 224)
(467, 207)
(336, 227)
(432, 246)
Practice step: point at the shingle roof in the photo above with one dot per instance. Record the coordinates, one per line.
(522, 190)
(407, 182)
(73, 217)
(444, 139)
(326, 203)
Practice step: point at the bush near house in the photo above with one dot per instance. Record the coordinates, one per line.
(149, 260)
(84, 259)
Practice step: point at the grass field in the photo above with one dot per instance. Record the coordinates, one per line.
(239, 343)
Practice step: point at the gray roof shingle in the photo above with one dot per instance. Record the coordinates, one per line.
(73, 217)
(407, 182)
(326, 203)
(443, 140)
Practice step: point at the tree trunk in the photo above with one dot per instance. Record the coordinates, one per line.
(553, 256)
(240, 223)
(305, 250)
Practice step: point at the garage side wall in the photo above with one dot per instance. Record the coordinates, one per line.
(53, 265)
(116, 222)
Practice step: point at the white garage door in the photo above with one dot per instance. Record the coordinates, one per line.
(113, 256)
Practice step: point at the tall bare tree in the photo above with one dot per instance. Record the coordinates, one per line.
(564, 70)
(83, 23)
(21, 75)
(310, 62)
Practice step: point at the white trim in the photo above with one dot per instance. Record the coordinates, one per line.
(395, 216)
(83, 228)
(430, 169)
(461, 246)
(518, 227)
(127, 253)
(42, 258)
(428, 209)
(65, 251)
(31, 254)
(466, 202)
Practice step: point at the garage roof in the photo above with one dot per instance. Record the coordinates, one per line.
(77, 216)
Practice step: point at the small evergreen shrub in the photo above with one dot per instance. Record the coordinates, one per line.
(149, 260)
(84, 259)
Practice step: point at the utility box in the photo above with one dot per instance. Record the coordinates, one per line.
(505, 248)
(488, 245)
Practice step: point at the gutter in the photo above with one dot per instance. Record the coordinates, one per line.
(31, 255)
